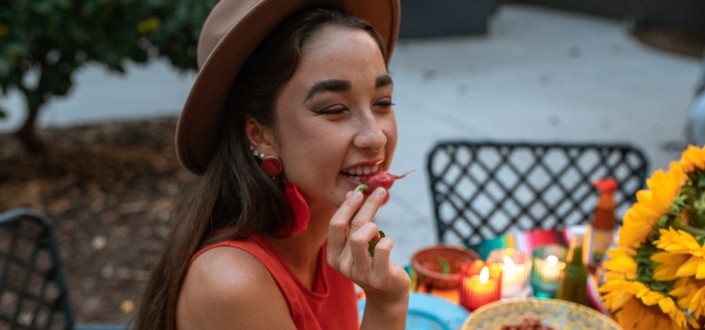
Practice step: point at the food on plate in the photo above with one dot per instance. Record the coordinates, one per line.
(527, 324)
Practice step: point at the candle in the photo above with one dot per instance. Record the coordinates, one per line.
(512, 278)
(515, 266)
(550, 269)
(548, 263)
(479, 289)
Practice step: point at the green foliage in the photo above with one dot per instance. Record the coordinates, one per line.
(44, 42)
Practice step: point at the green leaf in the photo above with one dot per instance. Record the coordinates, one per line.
(701, 182)
(148, 26)
(445, 266)
(58, 37)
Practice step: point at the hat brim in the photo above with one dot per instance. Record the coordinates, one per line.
(200, 124)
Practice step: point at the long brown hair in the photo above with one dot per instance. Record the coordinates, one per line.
(234, 195)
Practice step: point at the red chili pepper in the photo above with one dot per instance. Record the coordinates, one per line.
(382, 179)
(370, 183)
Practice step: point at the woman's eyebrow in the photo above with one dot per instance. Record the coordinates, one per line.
(383, 80)
(338, 85)
(333, 85)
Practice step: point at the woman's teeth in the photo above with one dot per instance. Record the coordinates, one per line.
(357, 172)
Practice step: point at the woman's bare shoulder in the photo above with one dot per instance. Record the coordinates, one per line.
(228, 269)
(226, 287)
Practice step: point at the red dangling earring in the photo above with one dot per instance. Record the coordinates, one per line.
(272, 166)
(299, 206)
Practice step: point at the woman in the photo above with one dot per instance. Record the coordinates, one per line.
(291, 110)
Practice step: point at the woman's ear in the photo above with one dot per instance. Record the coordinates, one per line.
(260, 137)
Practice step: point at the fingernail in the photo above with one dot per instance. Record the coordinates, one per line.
(356, 195)
(380, 192)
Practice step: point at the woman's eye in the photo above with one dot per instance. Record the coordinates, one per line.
(384, 104)
(331, 111)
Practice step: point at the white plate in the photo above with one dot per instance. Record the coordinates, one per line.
(428, 312)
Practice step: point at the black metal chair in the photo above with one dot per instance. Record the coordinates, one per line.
(484, 189)
(33, 290)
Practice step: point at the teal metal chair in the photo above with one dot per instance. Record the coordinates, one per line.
(33, 290)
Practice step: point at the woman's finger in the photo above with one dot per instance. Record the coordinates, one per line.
(338, 226)
(383, 251)
(359, 243)
(368, 209)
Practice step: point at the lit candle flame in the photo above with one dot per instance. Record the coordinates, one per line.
(552, 260)
(484, 275)
(508, 265)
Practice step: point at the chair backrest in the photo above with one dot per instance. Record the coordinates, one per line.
(33, 291)
(483, 189)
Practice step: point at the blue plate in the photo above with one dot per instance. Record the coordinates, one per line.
(428, 312)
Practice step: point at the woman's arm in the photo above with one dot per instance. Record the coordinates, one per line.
(386, 285)
(228, 288)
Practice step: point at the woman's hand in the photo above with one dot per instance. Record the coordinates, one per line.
(386, 285)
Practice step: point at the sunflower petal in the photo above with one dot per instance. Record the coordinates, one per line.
(668, 265)
(690, 267)
(677, 241)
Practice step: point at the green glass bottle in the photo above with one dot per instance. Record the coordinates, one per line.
(573, 279)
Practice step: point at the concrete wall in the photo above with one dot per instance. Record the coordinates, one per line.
(439, 18)
(675, 13)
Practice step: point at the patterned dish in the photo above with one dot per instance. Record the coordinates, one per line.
(558, 314)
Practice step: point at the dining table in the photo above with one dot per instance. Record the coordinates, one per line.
(442, 306)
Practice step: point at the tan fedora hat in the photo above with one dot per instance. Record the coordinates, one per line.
(232, 31)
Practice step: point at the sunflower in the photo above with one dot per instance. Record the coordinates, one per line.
(640, 308)
(668, 265)
(692, 158)
(621, 263)
(679, 243)
(655, 276)
(651, 205)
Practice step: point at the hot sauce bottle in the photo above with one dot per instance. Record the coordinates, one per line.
(599, 235)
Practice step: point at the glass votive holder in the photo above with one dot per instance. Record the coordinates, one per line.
(516, 268)
(480, 284)
(548, 263)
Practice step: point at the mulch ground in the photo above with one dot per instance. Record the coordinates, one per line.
(109, 188)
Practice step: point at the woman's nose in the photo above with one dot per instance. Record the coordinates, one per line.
(370, 134)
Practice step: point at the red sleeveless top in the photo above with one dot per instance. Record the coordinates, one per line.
(330, 305)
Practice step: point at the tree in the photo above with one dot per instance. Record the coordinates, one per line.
(44, 42)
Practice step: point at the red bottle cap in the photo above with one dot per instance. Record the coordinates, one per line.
(606, 186)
